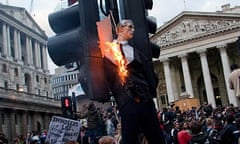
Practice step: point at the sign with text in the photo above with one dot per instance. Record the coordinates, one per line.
(62, 130)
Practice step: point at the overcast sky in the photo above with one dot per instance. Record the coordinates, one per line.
(163, 10)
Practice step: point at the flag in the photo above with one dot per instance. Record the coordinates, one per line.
(77, 89)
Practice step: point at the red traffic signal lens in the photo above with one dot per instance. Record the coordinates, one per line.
(66, 102)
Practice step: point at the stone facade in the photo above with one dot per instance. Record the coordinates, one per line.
(26, 102)
(197, 50)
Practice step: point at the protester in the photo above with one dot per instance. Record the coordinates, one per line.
(133, 92)
(184, 135)
(93, 123)
(198, 136)
(174, 132)
(226, 135)
(110, 126)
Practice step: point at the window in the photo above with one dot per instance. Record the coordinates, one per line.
(162, 97)
(4, 68)
(45, 80)
(16, 72)
(17, 87)
(37, 78)
(6, 84)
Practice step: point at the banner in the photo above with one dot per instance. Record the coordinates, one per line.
(62, 130)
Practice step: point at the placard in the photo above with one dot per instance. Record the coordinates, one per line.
(62, 130)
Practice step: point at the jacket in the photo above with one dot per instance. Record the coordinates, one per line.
(137, 82)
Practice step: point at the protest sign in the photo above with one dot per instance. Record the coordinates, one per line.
(62, 130)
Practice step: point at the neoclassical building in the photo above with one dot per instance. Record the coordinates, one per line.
(26, 101)
(197, 50)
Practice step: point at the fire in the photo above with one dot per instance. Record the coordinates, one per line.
(112, 49)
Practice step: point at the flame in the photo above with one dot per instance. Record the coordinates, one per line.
(113, 49)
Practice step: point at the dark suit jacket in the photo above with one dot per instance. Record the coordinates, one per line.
(137, 83)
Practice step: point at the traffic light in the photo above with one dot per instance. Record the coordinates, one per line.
(136, 10)
(76, 40)
(67, 109)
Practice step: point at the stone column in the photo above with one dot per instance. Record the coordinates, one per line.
(19, 47)
(28, 55)
(186, 75)
(8, 42)
(168, 78)
(5, 43)
(16, 47)
(35, 54)
(207, 78)
(12, 125)
(30, 52)
(24, 122)
(44, 53)
(226, 70)
(30, 120)
(45, 121)
(38, 55)
(34, 122)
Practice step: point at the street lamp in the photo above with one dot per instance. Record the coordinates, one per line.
(20, 89)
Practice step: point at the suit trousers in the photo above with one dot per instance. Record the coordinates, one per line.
(140, 117)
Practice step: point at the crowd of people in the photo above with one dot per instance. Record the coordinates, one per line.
(203, 125)
(97, 122)
(33, 137)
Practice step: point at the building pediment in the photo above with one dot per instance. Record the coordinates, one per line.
(191, 25)
(21, 15)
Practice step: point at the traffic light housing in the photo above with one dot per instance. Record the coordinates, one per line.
(67, 107)
(76, 40)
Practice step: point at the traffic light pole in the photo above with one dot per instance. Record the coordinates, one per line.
(74, 103)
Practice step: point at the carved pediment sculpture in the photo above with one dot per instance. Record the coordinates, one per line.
(190, 28)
